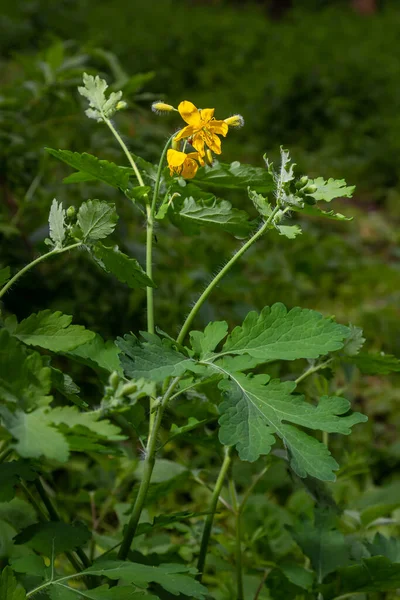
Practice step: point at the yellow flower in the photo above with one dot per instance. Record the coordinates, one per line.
(183, 164)
(201, 127)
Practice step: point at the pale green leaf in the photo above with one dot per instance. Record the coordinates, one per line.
(176, 579)
(331, 189)
(57, 224)
(25, 379)
(35, 437)
(53, 537)
(217, 214)
(91, 168)
(153, 359)
(98, 353)
(52, 331)
(289, 231)
(9, 588)
(4, 275)
(205, 342)
(276, 334)
(124, 268)
(96, 219)
(73, 417)
(101, 107)
(255, 409)
(354, 341)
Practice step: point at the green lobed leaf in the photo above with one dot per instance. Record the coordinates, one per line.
(98, 353)
(376, 364)
(354, 341)
(101, 107)
(154, 359)
(255, 409)
(25, 379)
(52, 331)
(91, 168)
(289, 231)
(18, 513)
(176, 579)
(97, 219)
(5, 275)
(53, 537)
(315, 211)
(331, 189)
(32, 564)
(205, 342)
(217, 214)
(276, 334)
(60, 591)
(73, 417)
(235, 176)
(57, 223)
(387, 547)
(10, 474)
(9, 588)
(325, 546)
(124, 268)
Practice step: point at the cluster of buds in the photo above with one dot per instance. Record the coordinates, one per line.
(304, 188)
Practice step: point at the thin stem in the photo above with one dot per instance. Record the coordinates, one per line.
(205, 538)
(54, 516)
(238, 545)
(52, 582)
(251, 488)
(260, 587)
(312, 370)
(126, 151)
(187, 324)
(6, 452)
(34, 263)
(149, 462)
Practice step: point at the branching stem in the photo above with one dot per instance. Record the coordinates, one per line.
(238, 535)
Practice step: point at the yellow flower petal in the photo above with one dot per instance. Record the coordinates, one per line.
(189, 113)
(186, 132)
(189, 169)
(198, 143)
(175, 158)
(212, 141)
(207, 114)
(219, 127)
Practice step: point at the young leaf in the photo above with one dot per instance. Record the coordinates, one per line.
(4, 275)
(124, 268)
(235, 176)
(255, 409)
(25, 379)
(153, 359)
(9, 588)
(10, 474)
(315, 211)
(205, 342)
(289, 231)
(52, 331)
(101, 107)
(354, 341)
(35, 437)
(96, 219)
(53, 537)
(331, 189)
(91, 168)
(261, 203)
(176, 579)
(217, 214)
(57, 224)
(376, 364)
(276, 334)
(72, 417)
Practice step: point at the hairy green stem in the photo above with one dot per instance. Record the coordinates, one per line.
(205, 538)
(251, 488)
(34, 263)
(238, 535)
(54, 516)
(126, 151)
(312, 370)
(187, 324)
(151, 450)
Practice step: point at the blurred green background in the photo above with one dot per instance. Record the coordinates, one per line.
(320, 78)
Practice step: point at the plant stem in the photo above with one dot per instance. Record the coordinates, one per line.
(251, 488)
(260, 587)
(205, 538)
(187, 324)
(238, 547)
(126, 151)
(312, 370)
(5, 454)
(149, 462)
(34, 263)
(54, 516)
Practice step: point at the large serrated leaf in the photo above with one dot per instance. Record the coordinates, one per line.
(331, 189)
(176, 579)
(235, 176)
(276, 334)
(72, 417)
(10, 474)
(97, 219)
(9, 588)
(255, 409)
(52, 331)
(217, 214)
(375, 364)
(59, 591)
(124, 268)
(91, 168)
(53, 537)
(98, 353)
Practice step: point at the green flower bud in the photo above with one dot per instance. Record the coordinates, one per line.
(70, 211)
(301, 182)
(310, 189)
(114, 380)
(310, 200)
(128, 388)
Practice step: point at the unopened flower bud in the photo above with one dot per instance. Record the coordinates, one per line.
(114, 380)
(301, 182)
(310, 200)
(70, 211)
(128, 388)
(121, 104)
(235, 121)
(310, 189)
(161, 107)
(209, 157)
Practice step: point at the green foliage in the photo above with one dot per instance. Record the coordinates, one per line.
(57, 224)
(53, 538)
(96, 219)
(101, 107)
(9, 588)
(10, 473)
(125, 269)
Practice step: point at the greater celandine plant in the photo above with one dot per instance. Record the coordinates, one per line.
(256, 412)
